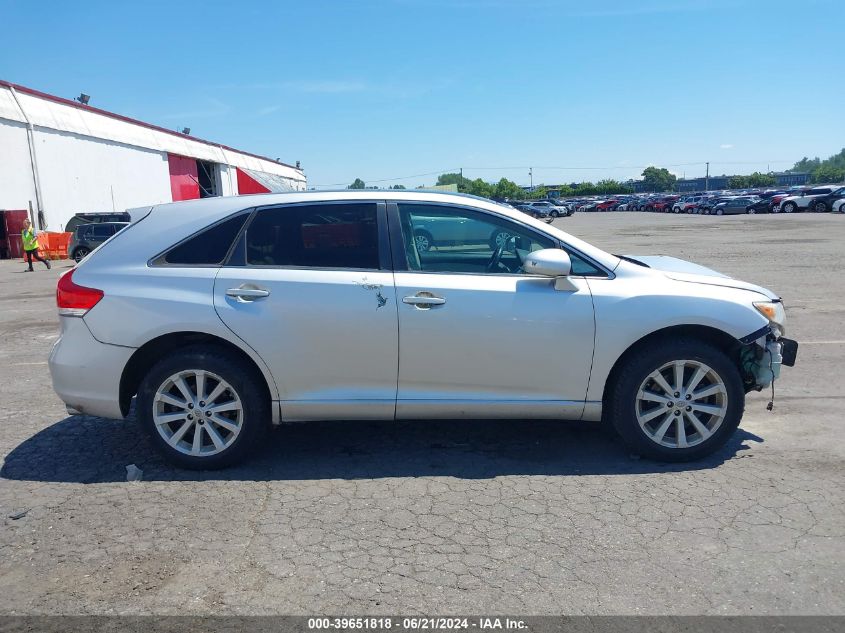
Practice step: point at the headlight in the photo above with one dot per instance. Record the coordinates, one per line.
(774, 312)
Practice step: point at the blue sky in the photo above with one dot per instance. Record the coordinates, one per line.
(386, 89)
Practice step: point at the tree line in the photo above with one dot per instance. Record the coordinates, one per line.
(832, 169)
(655, 179)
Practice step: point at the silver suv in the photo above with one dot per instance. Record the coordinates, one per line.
(224, 315)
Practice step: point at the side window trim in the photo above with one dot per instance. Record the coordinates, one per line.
(399, 256)
(384, 254)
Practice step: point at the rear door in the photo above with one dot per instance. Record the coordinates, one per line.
(309, 288)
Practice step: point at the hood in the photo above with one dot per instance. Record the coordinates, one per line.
(681, 270)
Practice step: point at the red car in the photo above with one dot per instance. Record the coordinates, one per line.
(607, 205)
(664, 205)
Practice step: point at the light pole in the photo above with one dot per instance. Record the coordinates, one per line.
(531, 176)
(707, 178)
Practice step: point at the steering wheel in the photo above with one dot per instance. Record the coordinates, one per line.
(495, 260)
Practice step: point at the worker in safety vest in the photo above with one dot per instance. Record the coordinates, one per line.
(30, 245)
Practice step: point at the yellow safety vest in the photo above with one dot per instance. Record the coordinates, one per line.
(30, 242)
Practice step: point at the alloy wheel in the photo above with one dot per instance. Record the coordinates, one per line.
(197, 413)
(681, 404)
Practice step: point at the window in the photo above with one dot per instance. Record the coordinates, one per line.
(102, 231)
(210, 246)
(316, 236)
(439, 238)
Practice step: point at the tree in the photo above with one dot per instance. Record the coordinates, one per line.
(508, 190)
(658, 179)
(828, 173)
(538, 193)
(398, 187)
(357, 184)
(754, 180)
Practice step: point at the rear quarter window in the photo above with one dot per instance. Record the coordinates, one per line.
(208, 247)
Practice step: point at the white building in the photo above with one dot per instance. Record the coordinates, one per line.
(60, 157)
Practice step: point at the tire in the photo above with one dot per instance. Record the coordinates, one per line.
(237, 428)
(424, 240)
(639, 420)
(750, 211)
(789, 207)
(554, 214)
(80, 253)
(719, 212)
(820, 207)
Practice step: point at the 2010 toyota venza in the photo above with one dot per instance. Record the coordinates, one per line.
(223, 316)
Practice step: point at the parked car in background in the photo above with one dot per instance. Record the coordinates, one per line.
(685, 203)
(87, 237)
(734, 206)
(824, 203)
(219, 317)
(95, 218)
(607, 205)
(760, 206)
(664, 204)
(839, 206)
(803, 200)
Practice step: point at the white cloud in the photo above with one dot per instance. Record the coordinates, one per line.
(725, 146)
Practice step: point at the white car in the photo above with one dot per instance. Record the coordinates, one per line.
(839, 206)
(803, 200)
(685, 203)
(222, 316)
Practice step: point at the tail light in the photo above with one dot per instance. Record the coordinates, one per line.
(73, 299)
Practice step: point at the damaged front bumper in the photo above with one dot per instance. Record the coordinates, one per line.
(762, 355)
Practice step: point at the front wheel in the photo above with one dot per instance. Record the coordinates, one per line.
(789, 207)
(820, 207)
(677, 402)
(202, 407)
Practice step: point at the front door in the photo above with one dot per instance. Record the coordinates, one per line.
(477, 336)
(309, 288)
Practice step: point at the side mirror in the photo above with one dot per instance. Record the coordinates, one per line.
(548, 262)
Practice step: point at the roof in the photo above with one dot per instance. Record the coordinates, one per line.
(193, 215)
(64, 115)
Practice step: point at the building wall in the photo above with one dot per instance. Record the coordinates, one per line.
(92, 160)
(17, 189)
(81, 174)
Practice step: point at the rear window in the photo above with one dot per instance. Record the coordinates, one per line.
(209, 246)
(316, 236)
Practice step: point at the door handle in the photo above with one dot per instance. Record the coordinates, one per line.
(247, 294)
(424, 300)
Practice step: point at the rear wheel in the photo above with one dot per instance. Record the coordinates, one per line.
(554, 213)
(202, 408)
(789, 207)
(719, 212)
(80, 253)
(677, 402)
(820, 207)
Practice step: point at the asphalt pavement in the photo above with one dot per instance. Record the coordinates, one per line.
(508, 517)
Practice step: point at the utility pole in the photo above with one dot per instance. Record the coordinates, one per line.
(462, 178)
(531, 176)
(707, 178)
